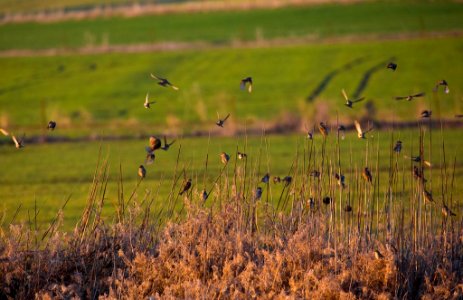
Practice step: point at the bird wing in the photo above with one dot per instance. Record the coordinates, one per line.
(419, 95)
(400, 97)
(15, 141)
(358, 127)
(446, 89)
(242, 84)
(156, 77)
(172, 142)
(4, 132)
(250, 87)
(165, 140)
(174, 87)
(358, 100)
(224, 119)
(345, 95)
(147, 98)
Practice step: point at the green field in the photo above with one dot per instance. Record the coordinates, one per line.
(227, 27)
(50, 173)
(105, 93)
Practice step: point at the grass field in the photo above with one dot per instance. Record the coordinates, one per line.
(226, 27)
(105, 93)
(50, 173)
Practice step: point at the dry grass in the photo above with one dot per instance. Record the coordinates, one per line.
(235, 246)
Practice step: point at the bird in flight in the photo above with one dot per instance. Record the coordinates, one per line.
(147, 103)
(360, 132)
(246, 81)
(51, 125)
(141, 171)
(164, 82)
(426, 113)
(392, 66)
(186, 186)
(442, 83)
(350, 102)
(18, 143)
(410, 97)
(221, 122)
(167, 145)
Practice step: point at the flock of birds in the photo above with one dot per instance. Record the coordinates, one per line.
(247, 84)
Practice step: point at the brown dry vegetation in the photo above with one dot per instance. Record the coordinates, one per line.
(238, 247)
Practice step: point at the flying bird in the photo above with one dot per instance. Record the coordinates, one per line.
(155, 143)
(141, 171)
(147, 103)
(167, 145)
(221, 122)
(164, 82)
(442, 83)
(426, 113)
(186, 187)
(246, 81)
(392, 66)
(51, 125)
(17, 143)
(224, 157)
(410, 97)
(366, 174)
(360, 132)
(398, 147)
(323, 129)
(350, 102)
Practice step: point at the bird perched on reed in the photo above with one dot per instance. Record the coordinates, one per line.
(51, 125)
(360, 132)
(340, 180)
(154, 144)
(148, 103)
(398, 147)
(323, 129)
(186, 187)
(246, 81)
(310, 135)
(417, 174)
(167, 145)
(224, 157)
(350, 102)
(287, 180)
(266, 178)
(366, 174)
(446, 211)
(378, 255)
(258, 193)
(163, 82)
(392, 66)
(276, 179)
(443, 83)
(221, 122)
(242, 155)
(410, 97)
(348, 208)
(311, 203)
(141, 171)
(428, 196)
(426, 113)
(204, 195)
(326, 200)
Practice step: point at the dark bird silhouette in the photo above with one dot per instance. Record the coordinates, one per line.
(147, 103)
(323, 129)
(428, 196)
(426, 113)
(204, 195)
(350, 102)
(326, 200)
(266, 178)
(246, 81)
(221, 122)
(141, 171)
(167, 145)
(186, 186)
(366, 174)
(51, 125)
(410, 97)
(398, 147)
(164, 82)
(418, 159)
(287, 180)
(258, 193)
(442, 83)
(348, 208)
(392, 66)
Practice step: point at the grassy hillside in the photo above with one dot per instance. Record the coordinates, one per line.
(227, 27)
(97, 93)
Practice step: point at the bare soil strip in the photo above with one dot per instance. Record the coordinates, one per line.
(176, 46)
(135, 10)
